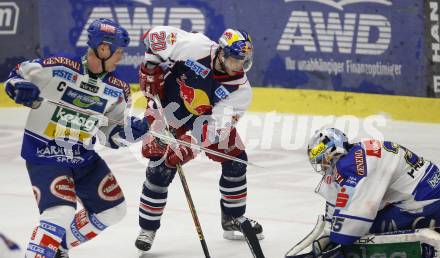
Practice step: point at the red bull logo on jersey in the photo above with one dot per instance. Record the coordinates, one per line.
(196, 101)
(198, 68)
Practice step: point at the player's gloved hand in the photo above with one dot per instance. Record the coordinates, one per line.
(323, 248)
(134, 129)
(133, 132)
(151, 80)
(180, 154)
(23, 92)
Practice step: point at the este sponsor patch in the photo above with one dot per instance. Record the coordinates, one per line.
(221, 92)
(89, 87)
(197, 67)
(63, 187)
(84, 100)
(109, 189)
(65, 75)
(113, 92)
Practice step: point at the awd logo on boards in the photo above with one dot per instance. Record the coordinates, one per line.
(9, 13)
(140, 19)
(337, 31)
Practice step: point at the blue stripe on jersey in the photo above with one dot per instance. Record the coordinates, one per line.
(352, 217)
(342, 239)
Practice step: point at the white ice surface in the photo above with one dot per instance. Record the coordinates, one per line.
(280, 197)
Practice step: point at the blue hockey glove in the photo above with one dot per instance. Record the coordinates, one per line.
(23, 92)
(135, 129)
(133, 132)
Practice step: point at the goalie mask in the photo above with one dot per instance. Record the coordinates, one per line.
(325, 148)
(237, 44)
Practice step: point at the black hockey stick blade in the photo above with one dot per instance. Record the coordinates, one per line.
(251, 239)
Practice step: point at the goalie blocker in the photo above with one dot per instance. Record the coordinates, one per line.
(424, 243)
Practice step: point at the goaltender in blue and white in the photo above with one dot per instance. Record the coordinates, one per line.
(380, 198)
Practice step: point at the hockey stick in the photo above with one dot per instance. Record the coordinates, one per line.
(185, 187)
(251, 239)
(163, 137)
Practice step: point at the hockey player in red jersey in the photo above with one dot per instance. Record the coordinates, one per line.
(206, 84)
(58, 139)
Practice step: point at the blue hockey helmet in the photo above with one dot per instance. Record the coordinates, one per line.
(107, 31)
(237, 44)
(325, 148)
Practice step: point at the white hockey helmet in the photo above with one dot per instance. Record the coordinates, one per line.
(325, 148)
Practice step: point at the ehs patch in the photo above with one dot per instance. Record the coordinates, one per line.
(198, 68)
(63, 187)
(221, 92)
(109, 189)
(84, 100)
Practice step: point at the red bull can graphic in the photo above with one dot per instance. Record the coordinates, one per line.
(196, 101)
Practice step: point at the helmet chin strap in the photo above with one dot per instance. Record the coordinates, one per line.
(95, 50)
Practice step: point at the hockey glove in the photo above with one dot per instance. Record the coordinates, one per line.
(23, 92)
(135, 129)
(133, 132)
(151, 81)
(179, 154)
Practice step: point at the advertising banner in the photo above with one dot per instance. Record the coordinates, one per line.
(373, 46)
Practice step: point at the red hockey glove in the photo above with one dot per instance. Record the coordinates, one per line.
(180, 154)
(151, 81)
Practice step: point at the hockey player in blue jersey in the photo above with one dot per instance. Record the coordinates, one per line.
(207, 83)
(58, 139)
(371, 187)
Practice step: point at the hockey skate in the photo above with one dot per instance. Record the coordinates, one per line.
(233, 230)
(145, 240)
